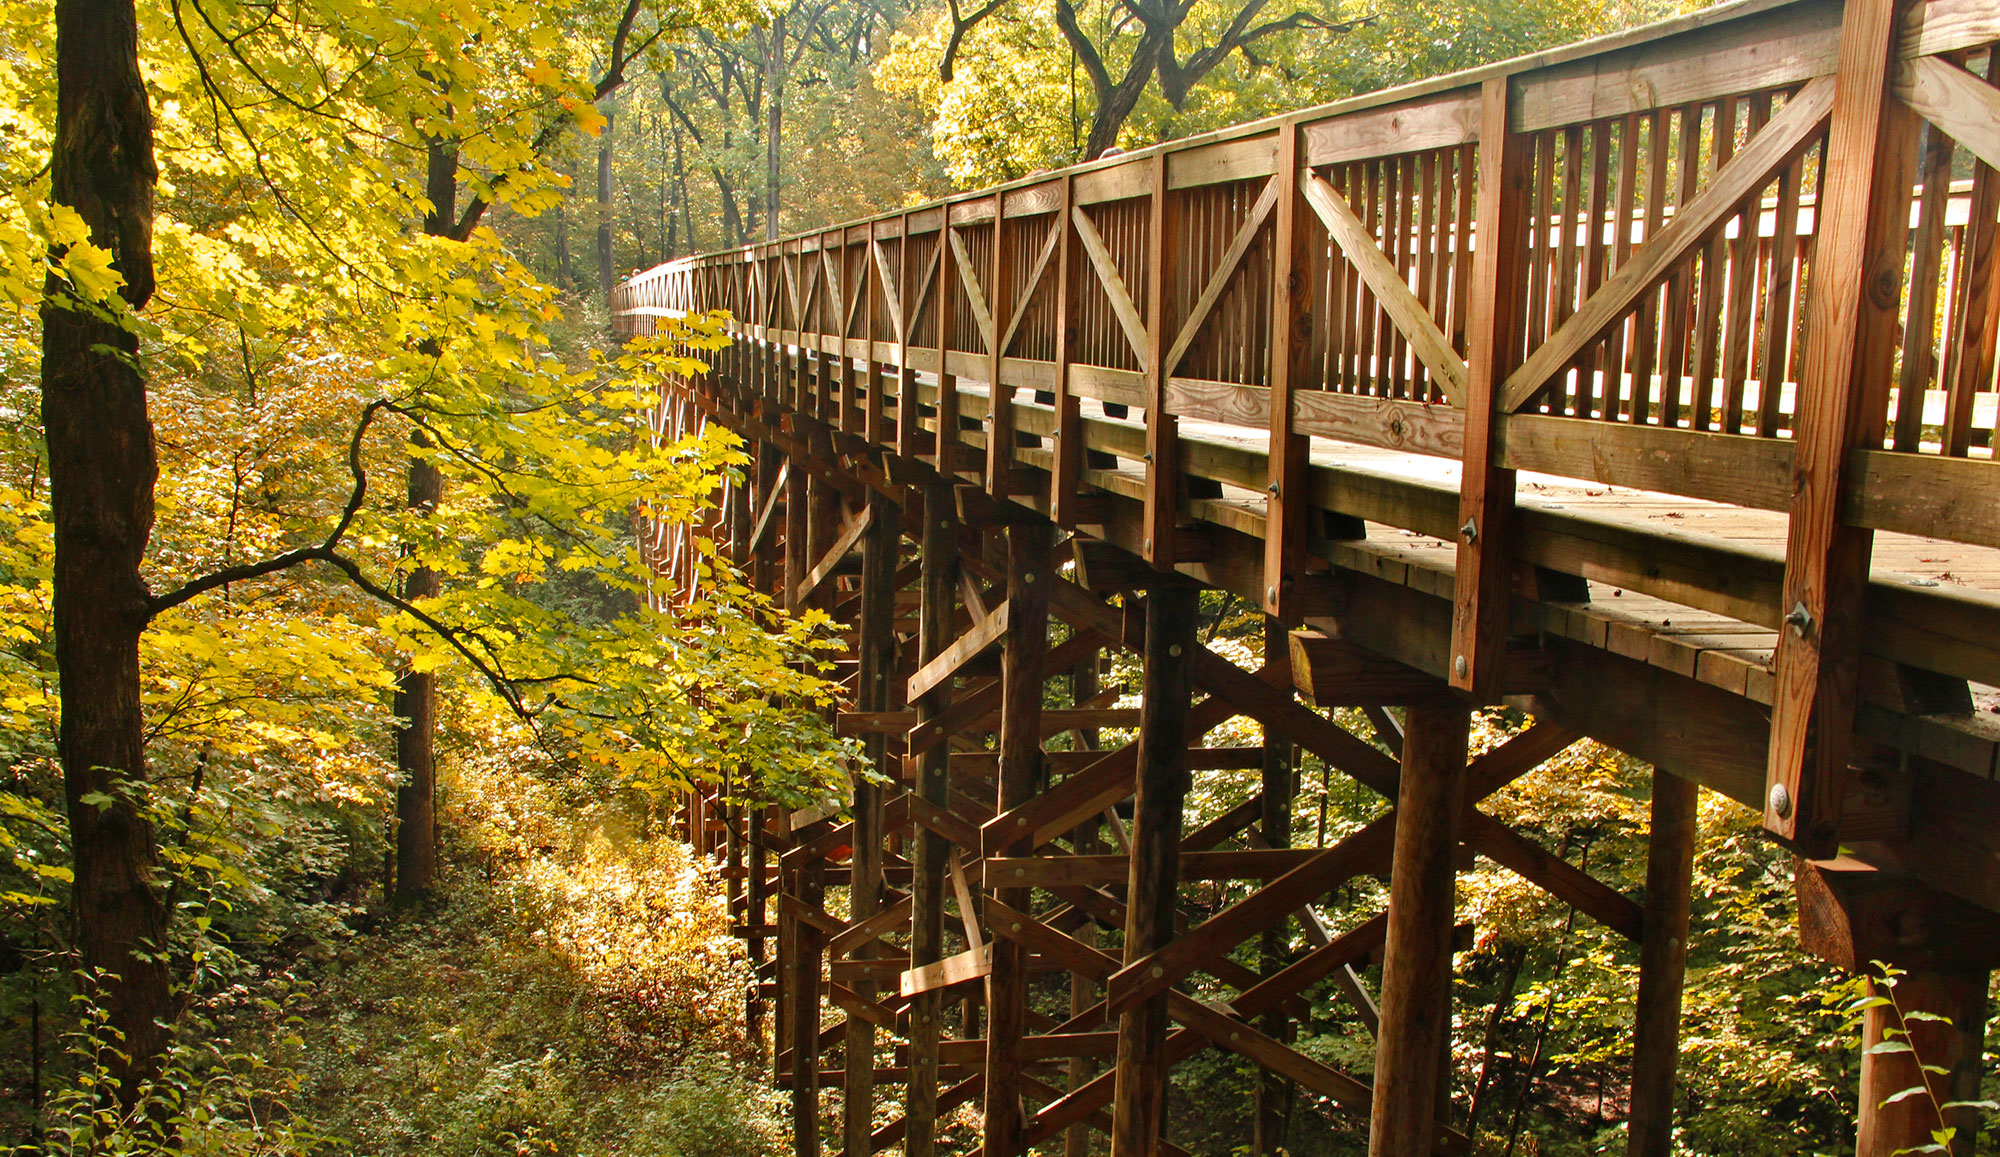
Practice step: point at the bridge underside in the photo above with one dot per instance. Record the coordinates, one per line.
(1275, 364)
(973, 884)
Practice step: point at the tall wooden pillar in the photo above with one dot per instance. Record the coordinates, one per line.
(1907, 1125)
(798, 517)
(808, 943)
(1141, 1082)
(1856, 918)
(1275, 826)
(1656, 1029)
(929, 853)
(1083, 684)
(1030, 575)
(877, 655)
(1416, 968)
(792, 576)
(1844, 379)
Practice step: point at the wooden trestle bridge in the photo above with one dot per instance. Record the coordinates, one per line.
(1646, 385)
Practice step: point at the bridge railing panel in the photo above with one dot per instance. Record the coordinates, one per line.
(1674, 212)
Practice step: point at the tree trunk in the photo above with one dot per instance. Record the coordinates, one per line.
(565, 274)
(101, 475)
(416, 691)
(604, 272)
(774, 70)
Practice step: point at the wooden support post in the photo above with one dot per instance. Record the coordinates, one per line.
(1163, 474)
(1656, 1028)
(1083, 686)
(877, 655)
(1065, 484)
(1030, 578)
(798, 551)
(1275, 826)
(1000, 419)
(1486, 495)
(1855, 917)
(1291, 354)
(1958, 1046)
(1416, 963)
(1844, 380)
(931, 853)
(781, 968)
(1141, 1081)
(808, 944)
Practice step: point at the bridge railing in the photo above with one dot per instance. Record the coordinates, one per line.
(1746, 256)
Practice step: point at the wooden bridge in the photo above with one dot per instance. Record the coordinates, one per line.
(1646, 385)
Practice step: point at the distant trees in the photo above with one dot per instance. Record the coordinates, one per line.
(1145, 35)
(1016, 85)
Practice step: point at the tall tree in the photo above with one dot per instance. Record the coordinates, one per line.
(101, 476)
(293, 134)
(416, 687)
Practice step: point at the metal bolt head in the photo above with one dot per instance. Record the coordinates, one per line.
(1799, 619)
(1781, 801)
(1459, 666)
(1470, 530)
(1174, 650)
(1158, 972)
(1270, 594)
(1029, 577)
(1014, 927)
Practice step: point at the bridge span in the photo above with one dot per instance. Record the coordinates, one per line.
(1646, 385)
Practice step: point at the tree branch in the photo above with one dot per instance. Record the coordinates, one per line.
(960, 27)
(322, 552)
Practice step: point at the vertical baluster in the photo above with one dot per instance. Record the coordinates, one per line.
(1779, 319)
(1395, 223)
(1343, 288)
(1674, 341)
(1919, 327)
(1540, 260)
(1568, 269)
(1978, 302)
(1367, 355)
(1461, 261)
(947, 289)
(1162, 428)
(1742, 277)
(1707, 343)
(1429, 204)
(999, 293)
(1592, 366)
(1064, 488)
